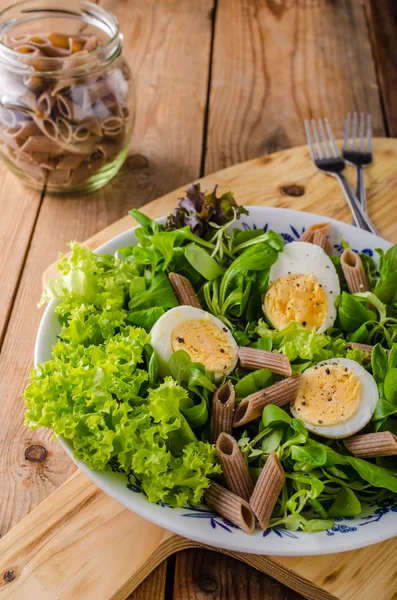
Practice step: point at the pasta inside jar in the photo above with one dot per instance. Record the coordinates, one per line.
(67, 101)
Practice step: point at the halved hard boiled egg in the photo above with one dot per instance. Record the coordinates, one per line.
(303, 287)
(336, 398)
(204, 337)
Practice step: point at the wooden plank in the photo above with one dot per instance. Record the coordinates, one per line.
(172, 90)
(382, 24)
(276, 63)
(79, 543)
(203, 575)
(153, 587)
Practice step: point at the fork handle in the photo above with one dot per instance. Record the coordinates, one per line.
(360, 187)
(359, 216)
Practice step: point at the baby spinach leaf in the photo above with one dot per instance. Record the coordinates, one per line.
(346, 504)
(384, 407)
(199, 378)
(180, 366)
(202, 262)
(253, 382)
(386, 287)
(318, 525)
(273, 415)
(159, 293)
(390, 385)
(196, 414)
(164, 242)
(379, 362)
(352, 313)
(393, 357)
(256, 258)
(146, 318)
(264, 343)
(272, 440)
(312, 456)
(376, 476)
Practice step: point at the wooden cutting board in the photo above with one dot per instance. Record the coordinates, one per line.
(81, 544)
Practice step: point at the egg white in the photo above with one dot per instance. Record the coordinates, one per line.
(303, 258)
(368, 401)
(161, 336)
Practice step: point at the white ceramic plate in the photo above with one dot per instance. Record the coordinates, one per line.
(378, 521)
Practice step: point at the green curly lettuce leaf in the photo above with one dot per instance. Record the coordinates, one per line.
(97, 398)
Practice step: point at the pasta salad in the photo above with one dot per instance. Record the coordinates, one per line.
(225, 366)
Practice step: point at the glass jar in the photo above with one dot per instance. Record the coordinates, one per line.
(67, 99)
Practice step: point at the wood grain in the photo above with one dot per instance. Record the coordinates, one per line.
(203, 575)
(79, 543)
(172, 90)
(382, 24)
(277, 63)
(153, 587)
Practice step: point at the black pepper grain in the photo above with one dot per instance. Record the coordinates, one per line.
(222, 350)
(180, 340)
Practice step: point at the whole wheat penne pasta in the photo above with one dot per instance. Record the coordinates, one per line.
(183, 290)
(59, 40)
(267, 490)
(44, 104)
(86, 169)
(32, 82)
(42, 144)
(38, 42)
(108, 149)
(48, 127)
(91, 44)
(92, 124)
(319, 239)
(371, 445)
(253, 358)
(62, 87)
(25, 102)
(307, 235)
(280, 394)
(87, 147)
(231, 507)
(60, 177)
(233, 466)
(81, 133)
(8, 117)
(223, 403)
(112, 125)
(27, 49)
(16, 40)
(64, 130)
(354, 272)
(70, 161)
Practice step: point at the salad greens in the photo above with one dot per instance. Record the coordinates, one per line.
(101, 390)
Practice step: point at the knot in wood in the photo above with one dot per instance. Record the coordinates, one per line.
(292, 190)
(207, 584)
(35, 454)
(137, 162)
(9, 575)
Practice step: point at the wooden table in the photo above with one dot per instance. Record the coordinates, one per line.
(219, 82)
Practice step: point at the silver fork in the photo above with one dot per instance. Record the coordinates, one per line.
(358, 157)
(326, 157)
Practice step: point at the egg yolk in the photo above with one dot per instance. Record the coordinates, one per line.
(328, 394)
(296, 297)
(205, 342)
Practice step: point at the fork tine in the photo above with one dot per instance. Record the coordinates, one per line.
(317, 139)
(331, 139)
(324, 138)
(369, 133)
(347, 132)
(354, 132)
(362, 125)
(310, 140)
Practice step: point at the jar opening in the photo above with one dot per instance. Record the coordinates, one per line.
(70, 20)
